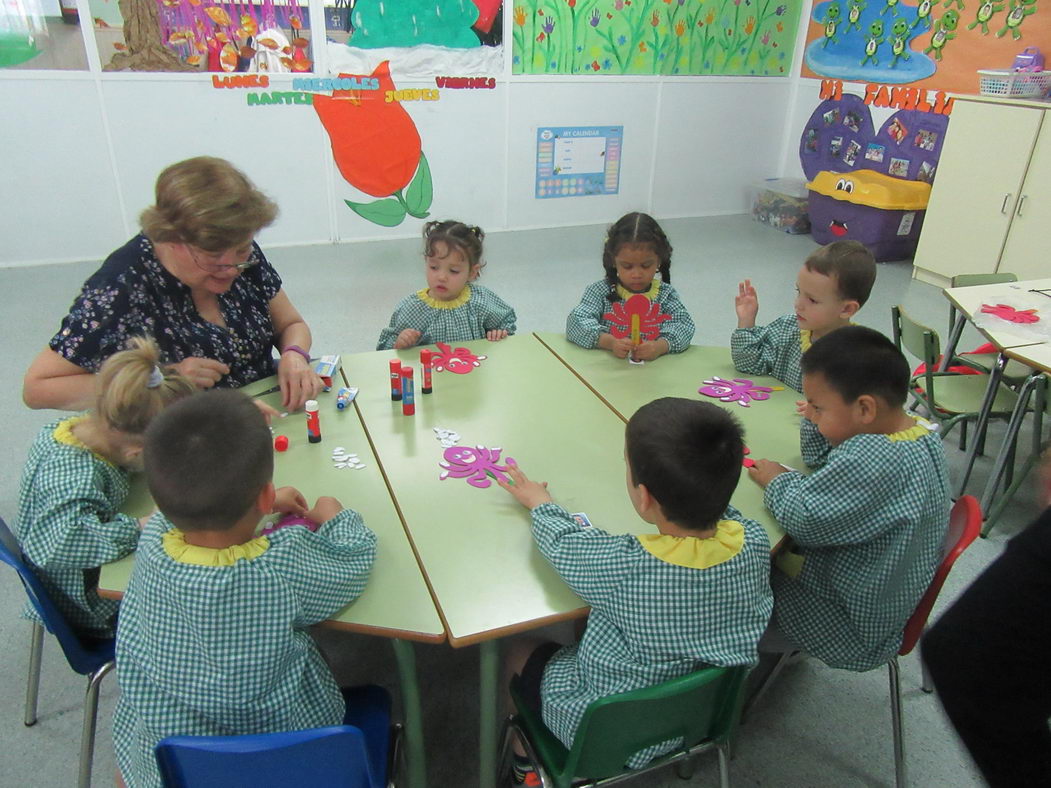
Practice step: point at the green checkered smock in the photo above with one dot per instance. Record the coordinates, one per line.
(812, 444)
(476, 311)
(774, 350)
(222, 649)
(870, 526)
(68, 525)
(585, 323)
(651, 620)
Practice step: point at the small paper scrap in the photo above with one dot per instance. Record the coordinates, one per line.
(446, 437)
(341, 459)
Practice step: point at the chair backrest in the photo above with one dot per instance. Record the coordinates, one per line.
(965, 521)
(970, 280)
(699, 706)
(920, 341)
(333, 757)
(81, 659)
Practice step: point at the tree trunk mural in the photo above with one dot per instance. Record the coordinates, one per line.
(142, 34)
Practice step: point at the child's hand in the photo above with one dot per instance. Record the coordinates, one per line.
(268, 413)
(324, 509)
(647, 351)
(746, 304)
(528, 493)
(145, 519)
(621, 347)
(803, 409)
(496, 334)
(289, 500)
(407, 338)
(765, 471)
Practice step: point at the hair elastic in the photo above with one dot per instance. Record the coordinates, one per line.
(156, 378)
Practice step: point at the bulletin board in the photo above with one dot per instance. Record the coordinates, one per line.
(578, 161)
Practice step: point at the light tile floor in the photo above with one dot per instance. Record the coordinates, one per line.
(816, 727)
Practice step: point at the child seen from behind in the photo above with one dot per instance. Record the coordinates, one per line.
(636, 250)
(663, 604)
(212, 638)
(451, 308)
(869, 524)
(76, 480)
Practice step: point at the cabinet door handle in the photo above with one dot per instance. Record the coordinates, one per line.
(1003, 205)
(1021, 202)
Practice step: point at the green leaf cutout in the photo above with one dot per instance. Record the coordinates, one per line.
(387, 213)
(420, 193)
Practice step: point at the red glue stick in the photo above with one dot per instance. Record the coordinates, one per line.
(425, 362)
(408, 402)
(313, 421)
(395, 379)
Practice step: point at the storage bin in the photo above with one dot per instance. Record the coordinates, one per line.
(880, 211)
(1013, 84)
(782, 203)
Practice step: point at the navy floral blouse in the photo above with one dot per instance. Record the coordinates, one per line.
(132, 294)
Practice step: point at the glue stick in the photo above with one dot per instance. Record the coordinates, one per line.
(408, 402)
(313, 421)
(425, 362)
(395, 379)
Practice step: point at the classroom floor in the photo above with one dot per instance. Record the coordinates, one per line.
(816, 726)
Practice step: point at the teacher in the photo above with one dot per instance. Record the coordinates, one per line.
(197, 283)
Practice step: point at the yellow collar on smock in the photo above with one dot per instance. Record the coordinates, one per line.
(655, 288)
(178, 550)
(915, 432)
(63, 433)
(694, 553)
(434, 303)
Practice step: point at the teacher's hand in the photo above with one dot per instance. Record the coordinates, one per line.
(297, 380)
(202, 372)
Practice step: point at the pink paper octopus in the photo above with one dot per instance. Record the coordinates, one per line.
(461, 360)
(739, 390)
(645, 314)
(478, 465)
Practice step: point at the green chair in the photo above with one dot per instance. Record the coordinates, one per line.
(950, 398)
(1015, 372)
(701, 708)
(1037, 384)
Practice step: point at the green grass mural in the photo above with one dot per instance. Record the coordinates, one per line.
(753, 37)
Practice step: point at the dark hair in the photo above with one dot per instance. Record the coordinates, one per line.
(856, 360)
(688, 454)
(851, 263)
(455, 235)
(207, 457)
(634, 228)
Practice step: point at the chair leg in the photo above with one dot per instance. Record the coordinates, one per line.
(36, 646)
(503, 766)
(897, 723)
(757, 695)
(724, 767)
(87, 735)
(963, 435)
(684, 768)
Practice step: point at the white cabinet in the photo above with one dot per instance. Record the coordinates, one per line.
(991, 195)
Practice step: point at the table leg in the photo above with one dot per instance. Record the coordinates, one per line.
(954, 340)
(489, 699)
(983, 419)
(410, 693)
(1000, 464)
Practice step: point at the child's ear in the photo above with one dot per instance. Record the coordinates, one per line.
(849, 309)
(476, 269)
(867, 408)
(265, 500)
(648, 506)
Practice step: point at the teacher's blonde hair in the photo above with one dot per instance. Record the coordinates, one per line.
(206, 202)
(132, 388)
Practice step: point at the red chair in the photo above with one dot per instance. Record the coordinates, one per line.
(965, 521)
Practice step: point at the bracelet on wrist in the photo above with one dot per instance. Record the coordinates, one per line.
(299, 350)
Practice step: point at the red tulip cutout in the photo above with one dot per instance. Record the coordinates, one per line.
(377, 150)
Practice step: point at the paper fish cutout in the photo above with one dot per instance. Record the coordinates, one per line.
(461, 360)
(478, 465)
(739, 390)
(637, 318)
(1011, 314)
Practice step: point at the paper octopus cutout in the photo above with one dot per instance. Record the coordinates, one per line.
(1011, 314)
(459, 360)
(739, 390)
(637, 314)
(478, 465)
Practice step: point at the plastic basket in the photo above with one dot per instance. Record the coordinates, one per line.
(1020, 84)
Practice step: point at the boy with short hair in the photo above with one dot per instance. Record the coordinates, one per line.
(662, 605)
(870, 523)
(833, 284)
(212, 635)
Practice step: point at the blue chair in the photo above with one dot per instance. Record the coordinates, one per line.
(91, 658)
(359, 755)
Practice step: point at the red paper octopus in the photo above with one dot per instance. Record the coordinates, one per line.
(637, 312)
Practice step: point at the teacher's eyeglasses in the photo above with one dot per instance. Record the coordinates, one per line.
(209, 261)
